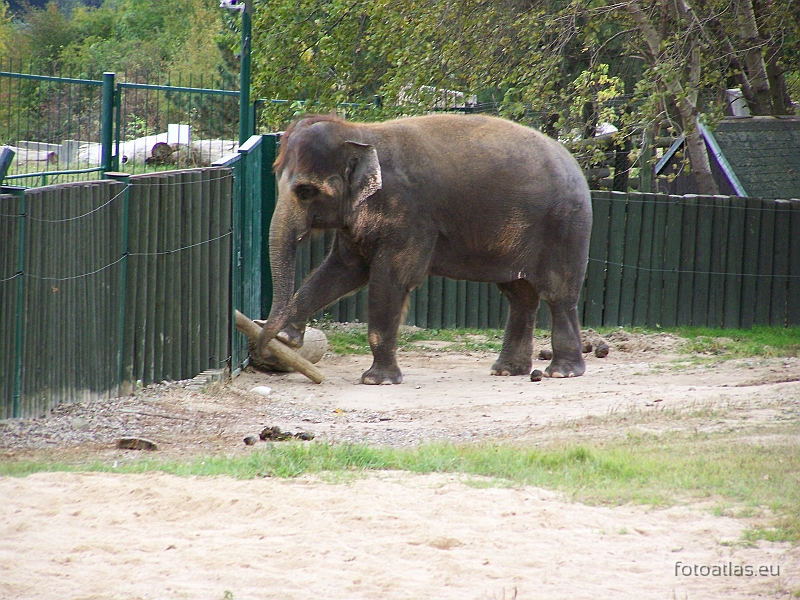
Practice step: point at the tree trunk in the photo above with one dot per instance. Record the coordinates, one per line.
(781, 101)
(754, 58)
(698, 158)
(685, 100)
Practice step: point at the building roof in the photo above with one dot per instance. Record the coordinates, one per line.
(764, 153)
(750, 156)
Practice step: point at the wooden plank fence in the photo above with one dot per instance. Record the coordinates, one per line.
(107, 283)
(654, 261)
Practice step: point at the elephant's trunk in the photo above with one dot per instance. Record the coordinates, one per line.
(284, 236)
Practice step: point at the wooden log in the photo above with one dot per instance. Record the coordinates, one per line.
(282, 352)
(160, 154)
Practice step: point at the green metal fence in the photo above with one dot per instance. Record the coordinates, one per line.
(254, 202)
(172, 125)
(51, 122)
(654, 260)
(67, 128)
(106, 283)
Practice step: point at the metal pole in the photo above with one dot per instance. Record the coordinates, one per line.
(107, 118)
(245, 124)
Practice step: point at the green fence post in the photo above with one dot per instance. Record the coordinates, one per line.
(107, 120)
(268, 199)
(245, 125)
(117, 125)
(19, 335)
(123, 278)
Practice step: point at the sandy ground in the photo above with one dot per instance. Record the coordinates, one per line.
(390, 535)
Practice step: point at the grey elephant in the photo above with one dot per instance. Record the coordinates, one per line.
(467, 197)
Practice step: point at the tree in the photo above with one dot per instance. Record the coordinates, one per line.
(564, 63)
(682, 83)
(6, 29)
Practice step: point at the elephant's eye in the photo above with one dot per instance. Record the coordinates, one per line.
(305, 191)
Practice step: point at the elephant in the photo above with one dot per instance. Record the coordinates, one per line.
(470, 197)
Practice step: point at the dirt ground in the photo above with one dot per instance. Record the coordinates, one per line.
(390, 535)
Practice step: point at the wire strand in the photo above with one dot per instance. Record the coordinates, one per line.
(685, 272)
(86, 214)
(120, 259)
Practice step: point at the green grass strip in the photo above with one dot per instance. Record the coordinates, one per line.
(767, 342)
(642, 470)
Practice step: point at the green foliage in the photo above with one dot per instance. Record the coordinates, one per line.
(121, 35)
(6, 28)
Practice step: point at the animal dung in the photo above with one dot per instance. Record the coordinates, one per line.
(250, 440)
(602, 350)
(134, 443)
(545, 354)
(536, 375)
(275, 434)
(587, 347)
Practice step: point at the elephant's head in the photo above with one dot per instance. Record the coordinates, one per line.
(325, 169)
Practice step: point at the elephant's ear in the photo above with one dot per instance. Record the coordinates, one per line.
(363, 171)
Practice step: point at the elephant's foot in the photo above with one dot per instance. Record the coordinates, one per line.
(377, 376)
(565, 368)
(291, 336)
(510, 367)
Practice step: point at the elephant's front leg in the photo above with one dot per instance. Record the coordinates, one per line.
(387, 301)
(341, 273)
(394, 272)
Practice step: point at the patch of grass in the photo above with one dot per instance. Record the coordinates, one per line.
(767, 342)
(347, 340)
(351, 338)
(644, 469)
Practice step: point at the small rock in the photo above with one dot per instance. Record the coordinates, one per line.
(602, 350)
(545, 354)
(250, 440)
(587, 347)
(79, 424)
(262, 390)
(536, 375)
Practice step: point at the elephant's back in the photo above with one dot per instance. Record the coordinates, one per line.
(479, 155)
(473, 146)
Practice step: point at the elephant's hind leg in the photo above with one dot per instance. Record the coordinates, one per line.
(516, 355)
(566, 337)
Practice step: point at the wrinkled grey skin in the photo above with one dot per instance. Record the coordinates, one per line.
(465, 197)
